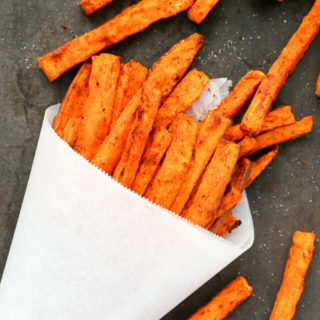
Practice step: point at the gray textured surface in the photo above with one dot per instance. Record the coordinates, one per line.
(239, 35)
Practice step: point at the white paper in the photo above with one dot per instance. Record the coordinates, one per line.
(87, 248)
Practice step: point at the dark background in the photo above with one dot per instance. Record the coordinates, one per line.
(239, 35)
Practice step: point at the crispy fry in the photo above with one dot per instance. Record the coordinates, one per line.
(97, 112)
(110, 150)
(318, 86)
(300, 256)
(241, 174)
(207, 198)
(168, 179)
(200, 9)
(157, 145)
(67, 120)
(208, 138)
(171, 67)
(130, 21)
(247, 144)
(226, 223)
(234, 133)
(128, 165)
(91, 6)
(269, 88)
(131, 77)
(283, 134)
(225, 301)
(242, 92)
(182, 97)
(259, 165)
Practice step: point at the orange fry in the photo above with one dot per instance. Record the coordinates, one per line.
(318, 86)
(67, 120)
(269, 88)
(128, 165)
(300, 256)
(234, 133)
(242, 92)
(97, 112)
(206, 199)
(91, 6)
(168, 179)
(226, 223)
(182, 97)
(208, 138)
(130, 21)
(247, 144)
(241, 174)
(225, 301)
(200, 9)
(157, 145)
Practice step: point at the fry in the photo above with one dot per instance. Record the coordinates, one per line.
(283, 134)
(259, 165)
(131, 77)
(128, 165)
(242, 92)
(247, 144)
(225, 301)
(167, 181)
(208, 138)
(156, 147)
(91, 6)
(182, 97)
(110, 150)
(200, 9)
(171, 67)
(97, 112)
(130, 21)
(241, 174)
(269, 88)
(207, 198)
(67, 120)
(318, 86)
(234, 133)
(300, 256)
(227, 222)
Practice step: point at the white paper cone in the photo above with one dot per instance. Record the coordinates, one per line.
(85, 248)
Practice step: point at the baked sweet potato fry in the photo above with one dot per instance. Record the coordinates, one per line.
(208, 138)
(168, 179)
(67, 120)
(282, 134)
(171, 67)
(182, 97)
(241, 174)
(269, 88)
(200, 9)
(225, 301)
(131, 77)
(97, 112)
(110, 150)
(247, 144)
(242, 92)
(318, 86)
(157, 145)
(206, 199)
(300, 256)
(234, 133)
(91, 6)
(226, 223)
(128, 165)
(130, 21)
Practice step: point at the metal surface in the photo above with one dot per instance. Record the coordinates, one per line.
(239, 35)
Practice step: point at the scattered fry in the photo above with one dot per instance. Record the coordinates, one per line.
(300, 256)
(247, 144)
(318, 86)
(91, 6)
(225, 301)
(200, 9)
(226, 223)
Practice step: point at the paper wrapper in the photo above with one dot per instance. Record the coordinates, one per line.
(87, 248)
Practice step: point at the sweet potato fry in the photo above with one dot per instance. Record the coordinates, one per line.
(300, 256)
(247, 144)
(242, 92)
(241, 174)
(168, 179)
(269, 88)
(225, 301)
(91, 6)
(110, 150)
(234, 133)
(226, 223)
(130, 21)
(318, 86)
(182, 97)
(208, 138)
(131, 77)
(171, 67)
(200, 9)
(157, 145)
(97, 112)
(259, 165)
(128, 165)
(67, 120)
(283, 134)
(206, 200)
